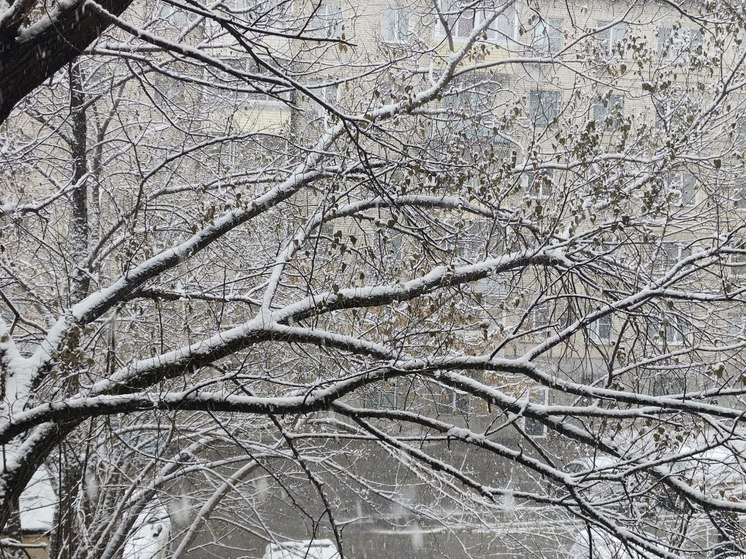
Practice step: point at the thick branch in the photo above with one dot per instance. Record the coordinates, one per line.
(28, 56)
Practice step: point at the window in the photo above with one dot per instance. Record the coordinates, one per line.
(611, 40)
(150, 442)
(478, 240)
(607, 112)
(388, 245)
(683, 188)
(543, 107)
(317, 112)
(737, 265)
(666, 384)
(224, 155)
(675, 330)
(540, 184)
(453, 402)
(243, 7)
(473, 103)
(669, 254)
(737, 120)
(600, 329)
(460, 21)
(176, 16)
(498, 289)
(474, 98)
(326, 22)
(172, 89)
(739, 195)
(257, 12)
(547, 36)
(263, 93)
(675, 113)
(384, 395)
(538, 320)
(676, 43)
(736, 328)
(586, 378)
(395, 25)
(504, 27)
(534, 427)
(671, 329)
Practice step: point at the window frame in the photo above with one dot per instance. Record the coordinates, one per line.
(488, 235)
(601, 112)
(169, 15)
(739, 129)
(608, 39)
(541, 100)
(675, 334)
(738, 196)
(596, 329)
(384, 395)
(454, 403)
(661, 385)
(737, 265)
(539, 321)
(530, 423)
(736, 324)
(391, 35)
(473, 100)
(686, 185)
(246, 64)
(688, 39)
(545, 180)
(172, 89)
(388, 244)
(547, 36)
(326, 22)
(496, 31)
(666, 257)
(675, 113)
(330, 95)
(454, 21)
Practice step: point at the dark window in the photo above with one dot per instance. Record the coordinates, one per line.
(607, 112)
(611, 40)
(543, 107)
(600, 329)
(395, 25)
(538, 321)
(534, 427)
(461, 21)
(664, 385)
(540, 184)
(326, 22)
(547, 36)
(680, 44)
(669, 254)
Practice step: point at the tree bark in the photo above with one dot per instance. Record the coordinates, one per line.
(79, 196)
(65, 531)
(31, 55)
(14, 531)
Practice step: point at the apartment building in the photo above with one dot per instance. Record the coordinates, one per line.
(611, 130)
(550, 86)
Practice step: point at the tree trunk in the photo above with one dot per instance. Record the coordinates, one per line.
(14, 531)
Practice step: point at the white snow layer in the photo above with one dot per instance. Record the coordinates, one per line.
(150, 534)
(37, 503)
